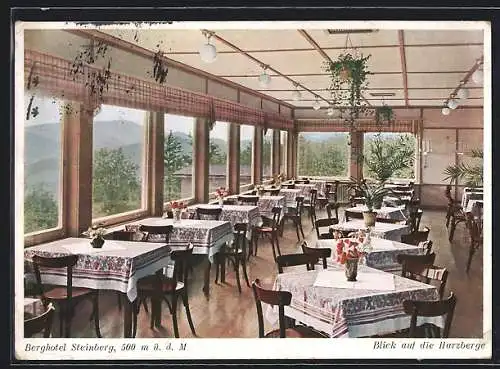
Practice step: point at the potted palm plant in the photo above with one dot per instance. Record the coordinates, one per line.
(471, 174)
(373, 195)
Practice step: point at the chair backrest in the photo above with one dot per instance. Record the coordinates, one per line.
(428, 274)
(150, 230)
(299, 200)
(356, 200)
(289, 186)
(240, 237)
(248, 200)
(416, 237)
(60, 262)
(328, 208)
(475, 228)
(231, 201)
(426, 245)
(479, 189)
(290, 260)
(416, 308)
(414, 219)
(411, 262)
(348, 215)
(208, 213)
(123, 235)
(314, 196)
(388, 220)
(325, 222)
(182, 260)
(320, 252)
(37, 324)
(276, 298)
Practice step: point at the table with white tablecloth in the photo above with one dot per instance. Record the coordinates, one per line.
(470, 195)
(290, 195)
(387, 231)
(266, 203)
(248, 214)
(385, 212)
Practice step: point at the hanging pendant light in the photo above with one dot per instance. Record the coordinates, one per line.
(330, 111)
(445, 111)
(452, 104)
(317, 104)
(296, 95)
(477, 76)
(463, 94)
(264, 78)
(208, 52)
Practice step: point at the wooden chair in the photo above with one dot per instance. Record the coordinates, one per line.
(248, 200)
(409, 261)
(427, 274)
(280, 299)
(475, 228)
(322, 223)
(416, 237)
(319, 252)
(323, 200)
(310, 205)
(289, 186)
(65, 298)
(161, 233)
(414, 219)
(123, 235)
(231, 201)
(295, 215)
(236, 253)
(162, 287)
(416, 309)
(289, 260)
(348, 215)
(208, 213)
(269, 229)
(388, 220)
(426, 245)
(39, 324)
(454, 214)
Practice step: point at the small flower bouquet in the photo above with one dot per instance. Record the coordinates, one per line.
(220, 193)
(177, 207)
(350, 253)
(96, 235)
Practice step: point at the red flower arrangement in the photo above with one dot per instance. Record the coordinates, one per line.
(221, 192)
(177, 205)
(349, 249)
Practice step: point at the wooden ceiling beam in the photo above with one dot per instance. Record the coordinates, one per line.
(326, 74)
(463, 81)
(401, 37)
(145, 53)
(325, 56)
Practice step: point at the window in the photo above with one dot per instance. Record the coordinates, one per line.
(42, 164)
(246, 143)
(283, 151)
(267, 155)
(178, 157)
(118, 161)
(217, 153)
(323, 154)
(396, 150)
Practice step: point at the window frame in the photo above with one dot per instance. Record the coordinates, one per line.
(250, 185)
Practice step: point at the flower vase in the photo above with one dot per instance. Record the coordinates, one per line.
(221, 201)
(351, 269)
(97, 242)
(177, 215)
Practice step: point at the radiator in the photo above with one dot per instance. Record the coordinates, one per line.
(343, 193)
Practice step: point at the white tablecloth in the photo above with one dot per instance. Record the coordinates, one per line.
(385, 212)
(467, 196)
(290, 196)
(388, 231)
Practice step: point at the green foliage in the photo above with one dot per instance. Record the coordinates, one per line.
(215, 154)
(40, 210)
(174, 159)
(471, 174)
(246, 153)
(116, 185)
(388, 157)
(373, 193)
(384, 113)
(326, 158)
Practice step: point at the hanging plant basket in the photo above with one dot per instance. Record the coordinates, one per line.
(383, 114)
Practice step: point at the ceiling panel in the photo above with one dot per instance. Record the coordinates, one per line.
(381, 60)
(450, 80)
(455, 58)
(293, 61)
(381, 37)
(265, 39)
(385, 80)
(444, 36)
(277, 83)
(444, 94)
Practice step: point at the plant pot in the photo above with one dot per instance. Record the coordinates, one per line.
(351, 269)
(221, 201)
(370, 218)
(177, 216)
(97, 242)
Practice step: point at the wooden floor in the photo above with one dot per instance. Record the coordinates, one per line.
(231, 315)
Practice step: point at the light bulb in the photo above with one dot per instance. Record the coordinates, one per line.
(264, 79)
(477, 76)
(296, 95)
(452, 104)
(445, 111)
(462, 94)
(208, 53)
(330, 111)
(316, 105)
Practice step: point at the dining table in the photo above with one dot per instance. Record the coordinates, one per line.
(470, 195)
(371, 305)
(290, 195)
(266, 203)
(385, 212)
(248, 214)
(388, 231)
(117, 266)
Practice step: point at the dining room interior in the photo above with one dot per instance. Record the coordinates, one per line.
(316, 181)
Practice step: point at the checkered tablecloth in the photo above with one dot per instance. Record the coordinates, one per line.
(385, 212)
(290, 195)
(320, 186)
(387, 231)
(468, 196)
(351, 312)
(248, 214)
(116, 266)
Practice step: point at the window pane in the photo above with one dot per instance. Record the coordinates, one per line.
(42, 164)
(246, 142)
(217, 172)
(178, 157)
(389, 152)
(118, 162)
(267, 154)
(283, 151)
(323, 154)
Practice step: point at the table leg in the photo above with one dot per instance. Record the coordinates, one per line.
(127, 316)
(206, 285)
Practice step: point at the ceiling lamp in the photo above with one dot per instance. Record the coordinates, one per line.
(316, 104)
(463, 94)
(445, 111)
(264, 78)
(477, 76)
(296, 95)
(452, 104)
(330, 111)
(208, 52)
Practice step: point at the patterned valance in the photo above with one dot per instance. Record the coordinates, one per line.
(362, 125)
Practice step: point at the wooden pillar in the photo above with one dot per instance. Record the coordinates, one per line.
(154, 162)
(233, 170)
(78, 148)
(276, 152)
(356, 148)
(292, 141)
(201, 160)
(257, 156)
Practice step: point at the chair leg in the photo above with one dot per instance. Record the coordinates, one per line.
(145, 306)
(188, 312)
(67, 322)
(272, 246)
(452, 230)
(237, 272)
(277, 243)
(299, 221)
(174, 315)
(135, 311)
(296, 223)
(256, 244)
(217, 269)
(118, 297)
(244, 266)
(96, 316)
(472, 250)
(62, 317)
